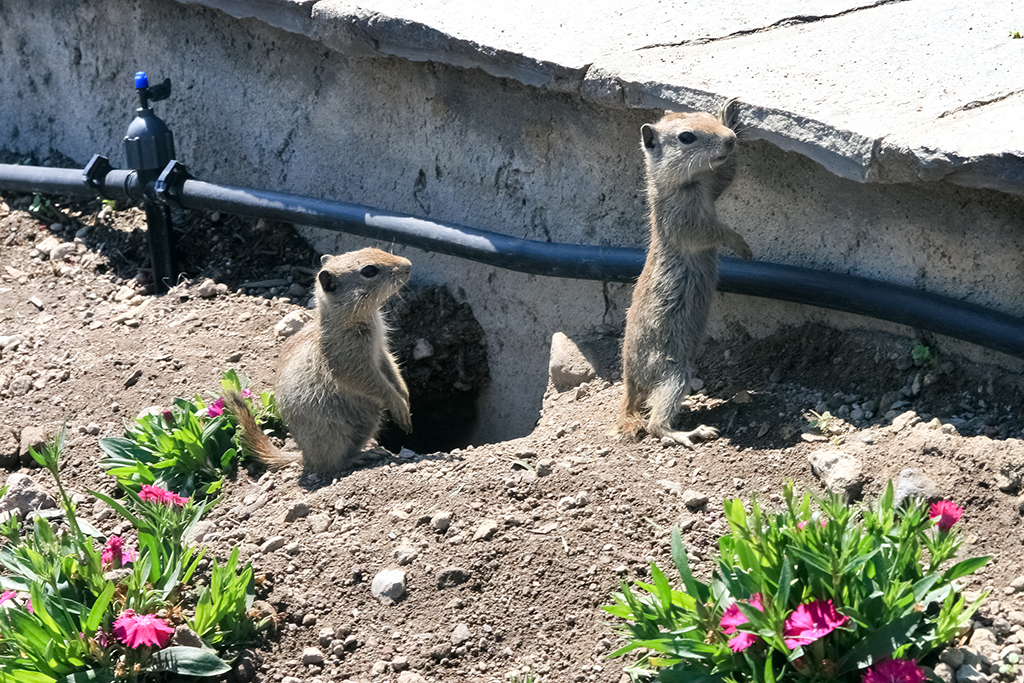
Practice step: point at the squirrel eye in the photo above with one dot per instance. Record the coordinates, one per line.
(687, 138)
(369, 271)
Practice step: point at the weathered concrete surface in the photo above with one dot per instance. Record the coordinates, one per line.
(885, 91)
(329, 116)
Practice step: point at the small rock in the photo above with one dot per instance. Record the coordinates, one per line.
(290, 324)
(296, 290)
(968, 674)
(405, 555)
(312, 655)
(63, 251)
(1017, 584)
(686, 520)
(912, 483)
(422, 349)
(320, 523)
(24, 495)
(460, 635)
(33, 437)
(441, 521)
(207, 289)
(694, 500)
(309, 620)
(326, 636)
(904, 420)
(953, 657)
(840, 472)
(567, 366)
(185, 636)
(452, 576)
(298, 510)
(20, 385)
(399, 663)
(410, 677)
(271, 544)
(388, 586)
(545, 467)
(945, 672)
(486, 530)
(47, 245)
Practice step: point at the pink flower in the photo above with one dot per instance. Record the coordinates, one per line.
(246, 393)
(733, 617)
(811, 621)
(115, 554)
(137, 630)
(216, 408)
(801, 525)
(10, 595)
(894, 671)
(157, 494)
(168, 417)
(948, 514)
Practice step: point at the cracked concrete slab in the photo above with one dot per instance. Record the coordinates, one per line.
(885, 91)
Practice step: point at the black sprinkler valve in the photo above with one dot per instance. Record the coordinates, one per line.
(149, 146)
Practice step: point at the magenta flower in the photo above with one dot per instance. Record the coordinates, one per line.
(733, 617)
(138, 630)
(246, 393)
(811, 621)
(947, 512)
(894, 671)
(115, 554)
(216, 408)
(168, 417)
(159, 495)
(801, 525)
(11, 595)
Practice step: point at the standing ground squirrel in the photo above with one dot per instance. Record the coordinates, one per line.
(689, 164)
(337, 374)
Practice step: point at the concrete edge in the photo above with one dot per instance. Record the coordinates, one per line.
(345, 27)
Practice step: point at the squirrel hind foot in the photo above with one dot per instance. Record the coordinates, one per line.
(689, 439)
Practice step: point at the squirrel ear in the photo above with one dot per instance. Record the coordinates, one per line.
(649, 135)
(323, 259)
(728, 114)
(327, 281)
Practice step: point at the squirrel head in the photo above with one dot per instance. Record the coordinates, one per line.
(355, 285)
(684, 148)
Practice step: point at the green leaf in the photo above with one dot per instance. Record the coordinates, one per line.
(90, 676)
(121, 509)
(189, 661)
(785, 582)
(964, 568)
(25, 676)
(879, 644)
(696, 589)
(96, 613)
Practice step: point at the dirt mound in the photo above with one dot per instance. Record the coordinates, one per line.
(508, 550)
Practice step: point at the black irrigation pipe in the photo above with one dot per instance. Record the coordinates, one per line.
(851, 294)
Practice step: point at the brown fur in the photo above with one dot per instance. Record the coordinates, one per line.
(337, 374)
(689, 164)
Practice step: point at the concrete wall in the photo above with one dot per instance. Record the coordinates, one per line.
(258, 106)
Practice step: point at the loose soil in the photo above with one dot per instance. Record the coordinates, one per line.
(564, 513)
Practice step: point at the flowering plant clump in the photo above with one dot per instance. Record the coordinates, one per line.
(76, 608)
(186, 447)
(854, 595)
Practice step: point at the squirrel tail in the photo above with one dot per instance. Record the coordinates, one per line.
(251, 437)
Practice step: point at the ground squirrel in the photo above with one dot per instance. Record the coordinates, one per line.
(337, 374)
(689, 164)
